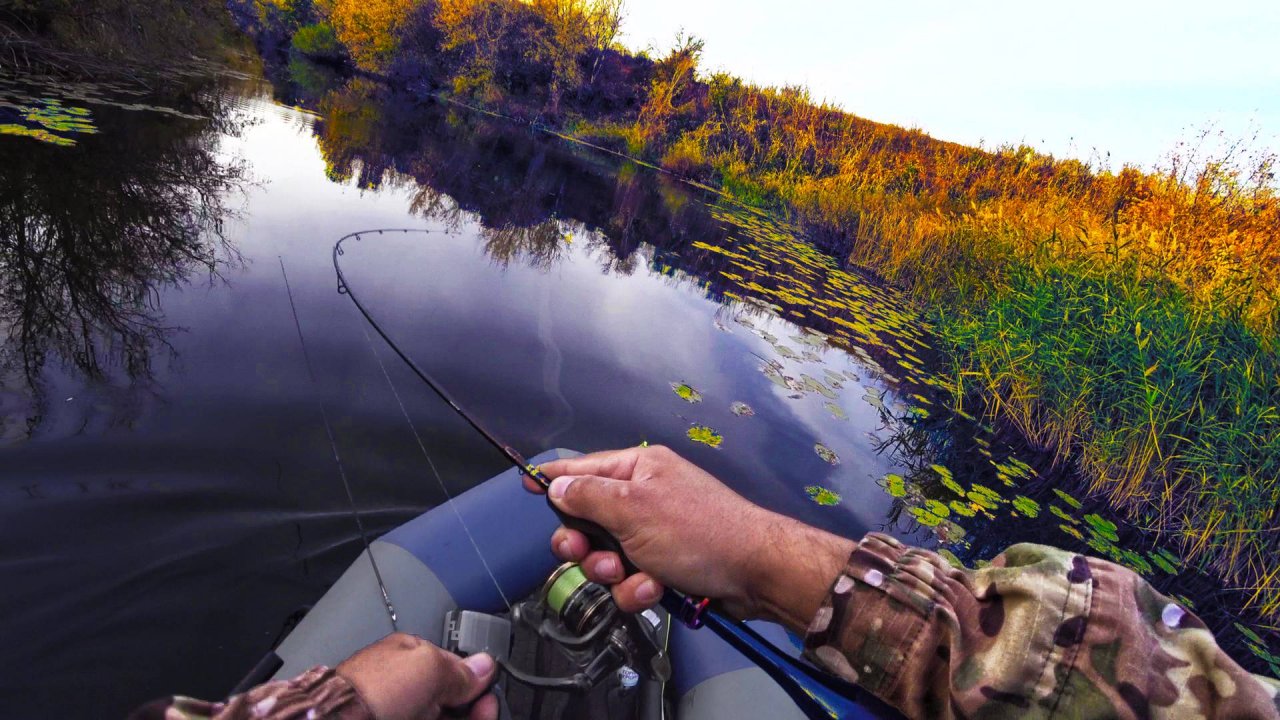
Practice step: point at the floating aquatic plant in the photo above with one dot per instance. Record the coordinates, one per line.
(836, 411)
(1026, 506)
(823, 496)
(984, 497)
(948, 480)
(705, 435)
(35, 133)
(874, 398)
(686, 392)
(1068, 499)
(814, 385)
(741, 409)
(1102, 527)
(1064, 514)
(1071, 531)
(827, 454)
(895, 485)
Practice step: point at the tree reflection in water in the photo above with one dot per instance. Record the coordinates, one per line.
(89, 237)
(463, 168)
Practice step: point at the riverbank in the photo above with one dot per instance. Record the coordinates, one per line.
(1125, 321)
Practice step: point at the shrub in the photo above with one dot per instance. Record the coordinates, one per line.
(319, 41)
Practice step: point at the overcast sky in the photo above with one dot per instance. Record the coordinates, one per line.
(1129, 78)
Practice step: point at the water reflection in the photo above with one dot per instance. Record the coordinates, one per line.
(91, 234)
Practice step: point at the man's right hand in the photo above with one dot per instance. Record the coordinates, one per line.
(685, 529)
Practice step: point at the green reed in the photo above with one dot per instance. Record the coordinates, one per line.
(1168, 405)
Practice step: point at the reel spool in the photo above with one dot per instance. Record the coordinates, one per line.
(584, 622)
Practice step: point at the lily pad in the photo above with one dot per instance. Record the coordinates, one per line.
(895, 485)
(741, 409)
(874, 398)
(985, 497)
(810, 339)
(948, 479)
(814, 385)
(924, 517)
(686, 392)
(1064, 515)
(827, 454)
(823, 496)
(1068, 499)
(836, 411)
(937, 508)
(1026, 506)
(1071, 531)
(705, 435)
(1102, 527)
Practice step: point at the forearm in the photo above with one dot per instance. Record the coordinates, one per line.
(791, 572)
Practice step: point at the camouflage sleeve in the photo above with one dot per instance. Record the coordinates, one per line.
(1039, 633)
(317, 693)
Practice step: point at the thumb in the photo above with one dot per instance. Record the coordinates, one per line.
(590, 497)
(468, 678)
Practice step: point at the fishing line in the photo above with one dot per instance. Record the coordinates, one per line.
(430, 463)
(345, 288)
(337, 458)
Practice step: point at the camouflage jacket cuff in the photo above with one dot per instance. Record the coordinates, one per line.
(1037, 632)
(317, 693)
(896, 614)
(866, 627)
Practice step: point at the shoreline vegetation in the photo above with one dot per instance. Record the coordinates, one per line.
(1124, 321)
(111, 37)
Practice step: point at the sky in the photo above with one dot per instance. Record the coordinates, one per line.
(1118, 80)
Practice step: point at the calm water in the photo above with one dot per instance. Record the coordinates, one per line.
(167, 495)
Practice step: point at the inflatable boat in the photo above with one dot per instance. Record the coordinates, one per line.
(451, 576)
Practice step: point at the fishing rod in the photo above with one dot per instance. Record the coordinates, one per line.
(818, 694)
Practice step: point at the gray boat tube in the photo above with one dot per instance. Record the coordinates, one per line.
(430, 566)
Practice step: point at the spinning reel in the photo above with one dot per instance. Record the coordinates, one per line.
(581, 619)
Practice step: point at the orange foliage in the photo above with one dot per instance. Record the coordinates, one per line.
(370, 29)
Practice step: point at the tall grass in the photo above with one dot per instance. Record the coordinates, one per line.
(1168, 405)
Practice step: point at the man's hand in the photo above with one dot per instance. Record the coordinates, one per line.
(403, 677)
(684, 528)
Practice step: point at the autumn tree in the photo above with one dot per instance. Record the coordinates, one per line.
(676, 99)
(606, 23)
(371, 29)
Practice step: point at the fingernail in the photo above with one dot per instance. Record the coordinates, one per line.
(563, 549)
(559, 486)
(607, 568)
(480, 663)
(648, 592)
